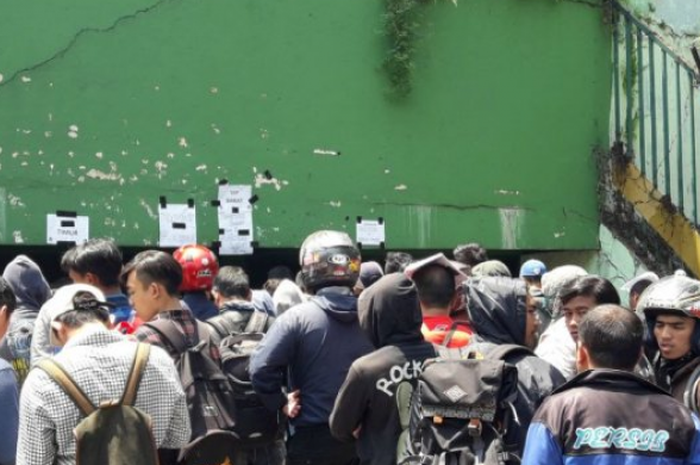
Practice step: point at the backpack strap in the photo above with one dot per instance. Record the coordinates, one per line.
(170, 333)
(218, 323)
(691, 389)
(450, 334)
(504, 350)
(136, 373)
(258, 322)
(63, 379)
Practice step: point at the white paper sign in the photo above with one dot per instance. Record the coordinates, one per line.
(178, 225)
(236, 242)
(370, 232)
(67, 229)
(235, 199)
(235, 219)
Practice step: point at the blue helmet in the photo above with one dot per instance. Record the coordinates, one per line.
(533, 269)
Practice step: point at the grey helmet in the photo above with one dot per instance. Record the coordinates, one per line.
(329, 258)
(673, 294)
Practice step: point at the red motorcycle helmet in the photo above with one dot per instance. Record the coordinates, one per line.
(199, 267)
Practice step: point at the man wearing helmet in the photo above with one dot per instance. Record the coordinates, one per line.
(671, 307)
(199, 268)
(310, 348)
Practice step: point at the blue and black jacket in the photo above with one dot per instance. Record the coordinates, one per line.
(612, 417)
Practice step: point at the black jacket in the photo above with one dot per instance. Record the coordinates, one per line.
(391, 317)
(603, 415)
(497, 312)
(315, 342)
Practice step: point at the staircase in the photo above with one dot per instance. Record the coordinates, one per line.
(653, 164)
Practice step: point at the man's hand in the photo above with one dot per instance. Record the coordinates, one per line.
(293, 404)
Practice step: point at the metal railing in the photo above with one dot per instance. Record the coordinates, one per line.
(655, 110)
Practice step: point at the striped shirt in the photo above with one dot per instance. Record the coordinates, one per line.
(99, 362)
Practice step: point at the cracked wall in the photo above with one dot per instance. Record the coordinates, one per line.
(105, 108)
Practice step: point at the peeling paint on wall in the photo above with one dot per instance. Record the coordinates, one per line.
(261, 180)
(102, 176)
(15, 201)
(506, 192)
(17, 237)
(148, 209)
(511, 222)
(73, 131)
(421, 219)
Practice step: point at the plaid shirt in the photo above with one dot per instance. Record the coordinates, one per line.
(186, 325)
(99, 362)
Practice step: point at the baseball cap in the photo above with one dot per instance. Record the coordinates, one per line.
(62, 302)
(533, 269)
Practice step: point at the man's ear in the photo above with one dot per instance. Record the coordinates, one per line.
(91, 279)
(155, 290)
(61, 332)
(583, 360)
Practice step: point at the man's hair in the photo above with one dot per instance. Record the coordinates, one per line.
(232, 281)
(640, 286)
(100, 257)
(154, 266)
(87, 310)
(470, 254)
(396, 262)
(600, 289)
(280, 272)
(435, 285)
(7, 296)
(613, 337)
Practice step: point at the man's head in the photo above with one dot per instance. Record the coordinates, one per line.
(671, 307)
(7, 305)
(97, 262)
(637, 285)
(502, 311)
(491, 268)
(470, 254)
(577, 297)
(610, 336)
(389, 312)
(327, 259)
(436, 289)
(231, 283)
(152, 279)
(370, 273)
(73, 307)
(396, 262)
(275, 276)
(199, 267)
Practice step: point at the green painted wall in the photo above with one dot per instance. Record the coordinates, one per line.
(494, 144)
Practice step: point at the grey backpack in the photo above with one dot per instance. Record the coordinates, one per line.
(461, 409)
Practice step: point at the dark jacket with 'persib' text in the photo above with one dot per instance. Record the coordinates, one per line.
(611, 417)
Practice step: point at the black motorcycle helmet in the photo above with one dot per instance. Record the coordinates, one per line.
(329, 258)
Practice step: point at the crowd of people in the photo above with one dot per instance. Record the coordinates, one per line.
(435, 360)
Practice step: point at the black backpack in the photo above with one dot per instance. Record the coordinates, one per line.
(210, 398)
(255, 423)
(461, 409)
(113, 433)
